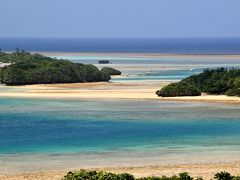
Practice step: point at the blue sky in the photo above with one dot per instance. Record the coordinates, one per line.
(120, 18)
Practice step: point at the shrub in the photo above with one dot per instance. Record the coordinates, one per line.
(93, 175)
(110, 71)
(185, 176)
(37, 69)
(235, 91)
(178, 89)
(160, 178)
(236, 178)
(223, 176)
(215, 81)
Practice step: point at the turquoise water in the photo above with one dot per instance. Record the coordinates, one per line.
(139, 68)
(68, 126)
(48, 134)
(160, 75)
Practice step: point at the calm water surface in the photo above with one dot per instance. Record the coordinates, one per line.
(75, 126)
(145, 45)
(54, 134)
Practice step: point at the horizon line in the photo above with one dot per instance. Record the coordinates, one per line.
(52, 37)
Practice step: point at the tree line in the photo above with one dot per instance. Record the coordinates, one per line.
(29, 68)
(220, 81)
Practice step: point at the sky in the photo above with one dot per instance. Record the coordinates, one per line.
(120, 18)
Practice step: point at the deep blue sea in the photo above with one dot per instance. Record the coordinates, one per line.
(156, 45)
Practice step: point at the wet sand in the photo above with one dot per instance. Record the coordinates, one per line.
(105, 90)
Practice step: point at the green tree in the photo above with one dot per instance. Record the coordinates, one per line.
(223, 176)
(34, 69)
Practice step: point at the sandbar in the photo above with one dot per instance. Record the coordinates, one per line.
(106, 90)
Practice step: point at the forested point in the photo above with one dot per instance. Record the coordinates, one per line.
(220, 81)
(26, 68)
(111, 71)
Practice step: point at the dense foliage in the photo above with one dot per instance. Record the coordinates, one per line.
(35, 69)
(20, 56)
(225, 176)
(94, 175)
(110, 71)
(181, 176)
(214, 81)
(178, 89)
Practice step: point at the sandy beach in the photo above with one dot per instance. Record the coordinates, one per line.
(105, 90)
(205, 170)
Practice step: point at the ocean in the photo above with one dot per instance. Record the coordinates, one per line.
(140, 45)
(138, 67)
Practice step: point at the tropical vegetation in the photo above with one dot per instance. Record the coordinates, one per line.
(29, 68)
(111, 71)
(211, 81)
(178, 89)
(100, 175)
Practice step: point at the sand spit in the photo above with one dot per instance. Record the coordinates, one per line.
(105, 90)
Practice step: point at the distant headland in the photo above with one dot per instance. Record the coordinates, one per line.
(23, 68)
(220, 81)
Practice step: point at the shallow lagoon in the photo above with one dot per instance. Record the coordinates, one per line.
(115, 132)
(28, 125)
(149, 67)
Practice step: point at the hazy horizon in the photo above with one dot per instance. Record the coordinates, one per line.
(147, 45)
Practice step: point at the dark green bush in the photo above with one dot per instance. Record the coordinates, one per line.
(110, 71)
(37, 69)
(223, 176)
(1, 74)
(182, 176)
(178, 89)
(185, 176)
(94, 175)
(215, 81)
(236, 178)
(235, 89)
(159, 178)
